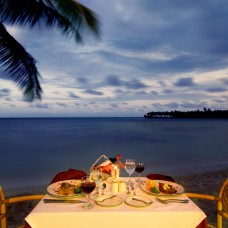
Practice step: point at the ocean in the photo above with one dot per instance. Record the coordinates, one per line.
(33, 150)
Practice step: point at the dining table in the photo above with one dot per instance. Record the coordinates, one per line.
(123, 213)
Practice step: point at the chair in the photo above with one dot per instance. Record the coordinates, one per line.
(221, 199)
(5, 201)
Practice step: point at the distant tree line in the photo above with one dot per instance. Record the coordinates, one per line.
(206, 113)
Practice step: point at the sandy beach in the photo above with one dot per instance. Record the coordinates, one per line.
(206, 183)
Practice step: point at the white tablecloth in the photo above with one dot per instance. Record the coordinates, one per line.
(157, 215)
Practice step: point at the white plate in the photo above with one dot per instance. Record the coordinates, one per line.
(113, 202)
(176, 186)
(138, 201)
(53, 189)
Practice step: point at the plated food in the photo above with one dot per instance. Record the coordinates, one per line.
(66, 189)
(160, 187)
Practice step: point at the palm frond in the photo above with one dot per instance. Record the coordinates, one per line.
(20, 65)
(71, 17)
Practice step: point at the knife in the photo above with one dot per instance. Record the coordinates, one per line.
(62, 201)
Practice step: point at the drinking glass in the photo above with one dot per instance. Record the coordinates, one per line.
(139, 169)
(87, 186)
(130, 168)
(96, 176)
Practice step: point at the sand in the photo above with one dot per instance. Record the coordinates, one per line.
(206, 183)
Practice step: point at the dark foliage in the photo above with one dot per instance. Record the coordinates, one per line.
(205, 114)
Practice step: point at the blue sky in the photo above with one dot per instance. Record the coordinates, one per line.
(153, 55)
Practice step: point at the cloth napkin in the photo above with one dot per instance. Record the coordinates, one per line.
(160, 177)
(70, 174)
(65, 175)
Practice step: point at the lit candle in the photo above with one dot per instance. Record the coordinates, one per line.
(117, 173)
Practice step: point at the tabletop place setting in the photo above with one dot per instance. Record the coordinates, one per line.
(111, 189)
(118, 189)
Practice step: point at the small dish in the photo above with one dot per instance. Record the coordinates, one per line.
(108, 200)
(138, 201)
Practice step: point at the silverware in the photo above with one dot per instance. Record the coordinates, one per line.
(62, 201)
(140, 200)
(100, 201)
(133, 188)
(128, 189)
(172, 200)
(103, 188)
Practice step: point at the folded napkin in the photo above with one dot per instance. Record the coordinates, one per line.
(160, 177)
(70, 174)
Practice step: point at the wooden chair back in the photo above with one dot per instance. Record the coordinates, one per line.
(221, 199)
(5, 201)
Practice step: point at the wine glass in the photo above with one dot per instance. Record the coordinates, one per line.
(96, 176)
(87, 186)
(130, 168)
(139, 169)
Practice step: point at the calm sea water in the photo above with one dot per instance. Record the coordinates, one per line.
(34, 150)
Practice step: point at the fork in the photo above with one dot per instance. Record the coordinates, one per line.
(128, 190)
(133, 188)
(165, 201)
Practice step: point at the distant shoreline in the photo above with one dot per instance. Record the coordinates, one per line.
(205, 114)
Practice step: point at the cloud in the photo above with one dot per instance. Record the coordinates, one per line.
(173, 105)
(154, 93)
(4, 92)
(40, 105)
(225, 81)
(167, 91)
(153, 50)
(216, 90)
(61, 104)
(93, 92)
(82, 80)
(113, 80)
(134, 84)
(72, 95)
(185, 82)
(114, 105)
(141, 93)
(182, 105)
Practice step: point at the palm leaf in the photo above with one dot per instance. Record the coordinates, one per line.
(71, 17)
(19, 65)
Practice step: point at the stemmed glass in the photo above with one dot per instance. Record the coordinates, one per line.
(87, 186)
(96, 176)
(130, 168)
(139, 169)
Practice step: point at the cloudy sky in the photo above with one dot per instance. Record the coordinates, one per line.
(153, 55)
